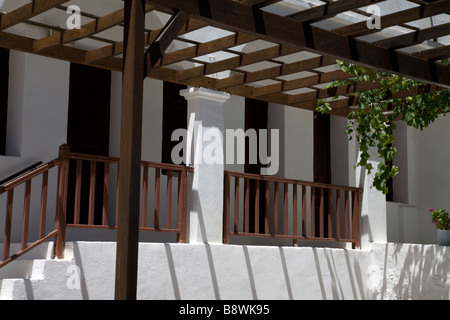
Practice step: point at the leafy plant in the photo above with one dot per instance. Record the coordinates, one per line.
(371, 121)
(440, 218)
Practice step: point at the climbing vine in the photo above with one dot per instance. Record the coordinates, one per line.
(371, 121)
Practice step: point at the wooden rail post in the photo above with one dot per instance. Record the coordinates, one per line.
(61, 201)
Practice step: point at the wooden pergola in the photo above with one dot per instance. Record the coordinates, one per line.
(281, 51)
(278, 51)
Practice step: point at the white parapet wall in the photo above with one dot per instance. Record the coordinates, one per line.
(238, 272)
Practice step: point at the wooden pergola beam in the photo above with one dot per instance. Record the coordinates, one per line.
(238, 17)
(424, 10)
(117, 47)
(27, 12)
(93, 27)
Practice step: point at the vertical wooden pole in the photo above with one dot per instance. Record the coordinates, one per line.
(61, 201)
(130, 152)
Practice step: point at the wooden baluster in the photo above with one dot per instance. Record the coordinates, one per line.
(117, 195)
(8, 222)
(92, 193)
(256, 206)
(330, 213)
(346, 215)
(105, 194)
(338, 214)
(78, 191)
(266, 213)
(181, 223)
(26, 214)
(294, 214)
(275, 211)
(169, 200)
(313, 211)
(226, 210)
(236, 203)
(304, 211)
(247, 205)
(43, 215)
(285, 209)
(157, 196)
(321, 213)
(294, 211)
(144, 196)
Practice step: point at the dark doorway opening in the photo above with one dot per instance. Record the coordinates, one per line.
(88, 132)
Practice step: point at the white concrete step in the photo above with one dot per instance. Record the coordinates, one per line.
(36, 272)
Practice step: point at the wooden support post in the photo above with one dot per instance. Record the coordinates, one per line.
(130, 152)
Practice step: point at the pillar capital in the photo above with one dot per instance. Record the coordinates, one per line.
(200, 92)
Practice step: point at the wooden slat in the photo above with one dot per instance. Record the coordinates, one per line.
(294, 210)
(402, 16)
(169, 200)
(247, 205)
(78, 177)
(226, 211)
(313, 212)
(304, 211)
(330, 213)
(257, 206)
(98, 25)
(8, 222)
(27, 11)
(26, 214)
(144, 197)
(321, 213)
(236, 204)
(43, 212)
(416, 37)
(347, 215)
(435, 53)
(285, 209)
(266, 207)
(105, 194)
(93, 173)
(338, 214)
(157, 197)
(330, 9)
(276, 209)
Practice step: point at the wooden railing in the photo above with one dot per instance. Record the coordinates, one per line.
(153, 218)
(86, 205)
(266, 206)
(23, 185)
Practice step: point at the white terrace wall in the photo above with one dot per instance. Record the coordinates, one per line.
(214, 271)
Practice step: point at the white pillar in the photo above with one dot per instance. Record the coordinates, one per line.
(205, 202)
(373, 223)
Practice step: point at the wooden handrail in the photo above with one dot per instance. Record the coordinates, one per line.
(291, 181)
(21, 172)
(165, 166)
(30, 175)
